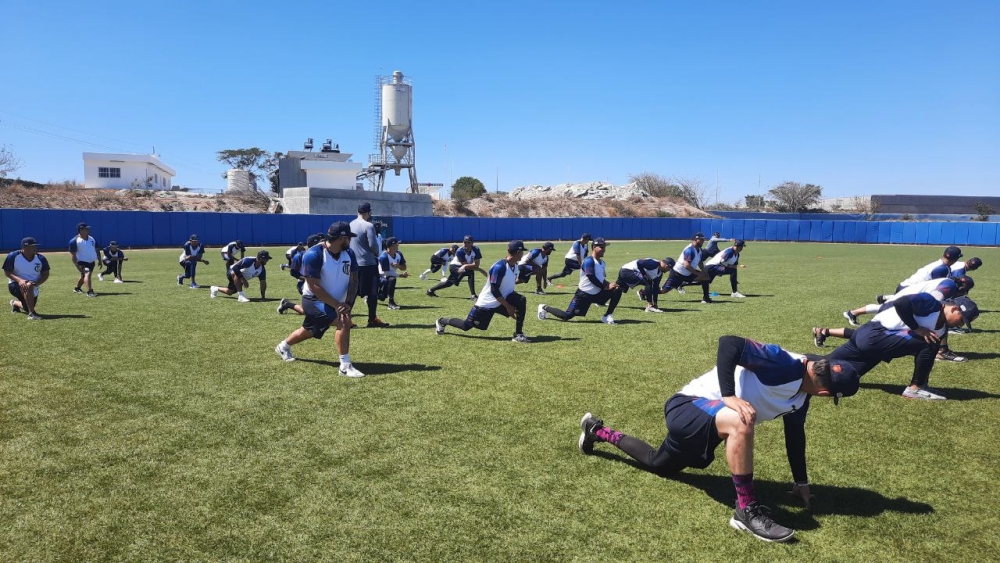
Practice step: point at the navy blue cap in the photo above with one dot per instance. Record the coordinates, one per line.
(193, 237)
(548, 246)
(740, 242)
(670, 262)
(300, 243)
(965, 284)
(970, 311)
(515, 246)
(239, 243)
(844, 380)
(953, 252)
(113, 243)
(263, 255)
(365, 208)
(454, 246)
(698, 235)
(973, 263)
(467, 238)
(391, 241)
(585, 236)
(599, 241)
(28, 241)
(315, 239)
(340, 229)
(82, 226)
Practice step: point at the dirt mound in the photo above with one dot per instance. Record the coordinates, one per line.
(500, 205)
(74, 196)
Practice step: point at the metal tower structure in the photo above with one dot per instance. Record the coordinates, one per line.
(392, 135)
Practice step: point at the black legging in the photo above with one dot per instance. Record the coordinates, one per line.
(368, 288)
(569, 268)
(113, 267)
(455, 277)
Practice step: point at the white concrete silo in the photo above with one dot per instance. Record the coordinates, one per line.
(393, 132)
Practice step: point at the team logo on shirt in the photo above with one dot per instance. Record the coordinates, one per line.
(346, 268)
(38, 267)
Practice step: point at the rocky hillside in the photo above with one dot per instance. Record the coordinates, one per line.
(73, 196)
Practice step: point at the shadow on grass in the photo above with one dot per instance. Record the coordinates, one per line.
(415, 307)
(952, 393)
(375, 369)
(981, 355)
(57, 317)
(130, 281)
(630, 322)
(403, 325)
(827, 499)
(541, 339)
(112, 294)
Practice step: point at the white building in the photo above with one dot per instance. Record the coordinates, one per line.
(328, 168)
(123, 171)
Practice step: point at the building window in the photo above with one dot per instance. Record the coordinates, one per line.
(105, 172)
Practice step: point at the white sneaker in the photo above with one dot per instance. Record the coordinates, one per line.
(438, 327)
(118, 280)
(213, 291)
(423, 276)
(922, 393)
(14, 308)
(681, 290)
(444, 278)
(542, 315)
(608, 320)
(651, 309)
(285, 351)
(638, 293)
(350, 371)
(242, 299)
(100, 277)
(192, 286)
(738, 295)
(521, 338)
(34, 317)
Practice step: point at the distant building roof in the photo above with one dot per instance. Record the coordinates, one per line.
(141, 158)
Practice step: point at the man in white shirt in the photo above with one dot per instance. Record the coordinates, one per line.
(83, 250)
(725, 263)
(27, 270)
(689, 269)
(575, 256)
(240, 275)
(593, 288)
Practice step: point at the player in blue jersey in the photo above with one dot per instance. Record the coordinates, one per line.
(291, 252)
(229, 253)
(689, 269)
(27, 270)
(645, 272)
(574, 257)
(331, 273)
(751, 383)
(940, 268)
(960, 268)
(712, 245)
(535, 263)
(391, 266)
(463, 265)
(113, 260)
(497, 296)
(651, 297)
(240, 275)
(593, 288)
(85, 253)
(912, 325)
(193, 253)
(726, 263)
(942, 289)
(440, 259)
(295, 270)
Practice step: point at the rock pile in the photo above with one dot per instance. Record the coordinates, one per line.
(592, 190)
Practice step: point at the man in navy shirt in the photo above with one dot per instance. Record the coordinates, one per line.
(689, 269)
(712, 245)
(536, 263)
(463, 265)
(651, 294)
(751, 383)
(113, 260)
(193, 253)
(439, 259)
(391, 265)
(497, 296)
(85, 254)
(593, 288)
(240, 275)
(27, 270)
(574, 257)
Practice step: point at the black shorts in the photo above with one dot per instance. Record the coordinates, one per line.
(872, 343)
(480, 317)
(84, 266)
(367, 281)
(691, 432)
(675, 280)
(524, 272)
(15, 290)
(318, 316)
(582, 301)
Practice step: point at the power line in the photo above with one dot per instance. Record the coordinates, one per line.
(72, 129)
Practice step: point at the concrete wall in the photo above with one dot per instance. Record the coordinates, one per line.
(947, 204)
(326, 201)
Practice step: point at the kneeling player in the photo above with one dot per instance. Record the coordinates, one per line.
(725, 263)
(592, 289)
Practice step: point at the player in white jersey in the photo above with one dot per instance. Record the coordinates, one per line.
(240, 275)
(291, 252)
(85, 253)
(391, 266)
(27, 270)
(945, 288)
(535, 263)
(912, 325)
(465, 264)
(575, 256)
(960, 268)
(497, 296)
(113, 260)
(647, 273)
(440, 259)
(726, 263)
(331, 273)
(193, 253)
(229, 253)
(689, 269)
(940, 268)
(593, 288)
(751, 383)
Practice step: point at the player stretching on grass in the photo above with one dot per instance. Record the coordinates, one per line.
(85, 255)
(240, 275)
(27, 270)
(751, 383)
(574, 257)
(192, 254)
(439, 259)
(463, 265)
(593, 288)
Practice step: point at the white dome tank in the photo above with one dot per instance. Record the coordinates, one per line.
(397, 107)
(238, 180)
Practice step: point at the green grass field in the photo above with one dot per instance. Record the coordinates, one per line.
(156, 424)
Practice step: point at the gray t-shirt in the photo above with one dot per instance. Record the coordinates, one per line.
(364, 245)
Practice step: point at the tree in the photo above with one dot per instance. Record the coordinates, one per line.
(795, 197)
(466, 188)
(983, 211)
(258, 162)
(754, 201)
(9, 162)
(693, 191)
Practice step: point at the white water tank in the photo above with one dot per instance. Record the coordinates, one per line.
(397, 108)
(238, 180)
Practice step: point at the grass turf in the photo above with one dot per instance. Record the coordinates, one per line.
(153, 423)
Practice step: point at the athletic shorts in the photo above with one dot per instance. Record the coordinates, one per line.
(368, 281)
(86, 265)
(582, 301)
(15, 290)
(675, 280)
(691, 432)
(872, 343)
(318, 316)
(524, 272)
(480, 317)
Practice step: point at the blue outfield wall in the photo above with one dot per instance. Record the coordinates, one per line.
(54, 227)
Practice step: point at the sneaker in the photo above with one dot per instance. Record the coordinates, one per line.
(444, 278)
(283, 267)
(949, 356)
(818, 337)
(430, 293)
(213, 291)
(474, 298)
(959, 330)
(651, 309)
(608, 320)
(423, 276)
(539, 292)
(242, 299)
(118, 280)
(707, 301)
(34, 317)
(681, 290)
(393, 306)
(377, 323)
(77, 290)
(542, 315)
(100, 277)
(851, 318)
(922, 393)
(737, 295)
(285, 351)
(192, 286)
(439, 327)
(14, 308)
(180, 280)
(638, 293)
(91, 294)
(589, 425)
(285, 304)
(520, 338)
(756, 519)
(350, 371)
(880, 299)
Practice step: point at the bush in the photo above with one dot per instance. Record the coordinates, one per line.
(983, 211)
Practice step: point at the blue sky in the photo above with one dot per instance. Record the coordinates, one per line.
(858, 97)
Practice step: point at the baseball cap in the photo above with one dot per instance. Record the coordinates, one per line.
(315, 239)
(698, 235)
(953, 252)
(391, 241)
(28, 241)
(239, 243)
(844, 380)
(599, 241)
(193, 237)
(585, 236)
(113, 243)
(515, 246)
(965, 284)
(970, 311)
(82, 226)
(365, 208)
(467, 238)
(740, 242)
(340, 229)
(454, 246)
(548, 246)
(973, 263)
(263, 255)
(300, 243)
(670, 262)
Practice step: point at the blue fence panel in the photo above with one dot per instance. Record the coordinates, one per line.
(949, 233)
(934, 233)
(839, 230)
(506, 230)
(406, 229)
(260, 231)
(736, 227)
(793, 230)
(884, 232)
(805, 230)
(717, 227)
(179, 227)
(771, 230)
(909, 233)
(232, 230)
(961, 233)
(974, 233)
(871, 234)
(759, 230)
(143, 231)
(12, 231)
(815, 231)
(195, 223)
(921, 232)
(780, 229)
(895, 233)
(827, 230)
(860, 232)
(162, 232)
(988, 236)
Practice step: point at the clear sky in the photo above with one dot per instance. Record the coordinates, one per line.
(858, 97)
